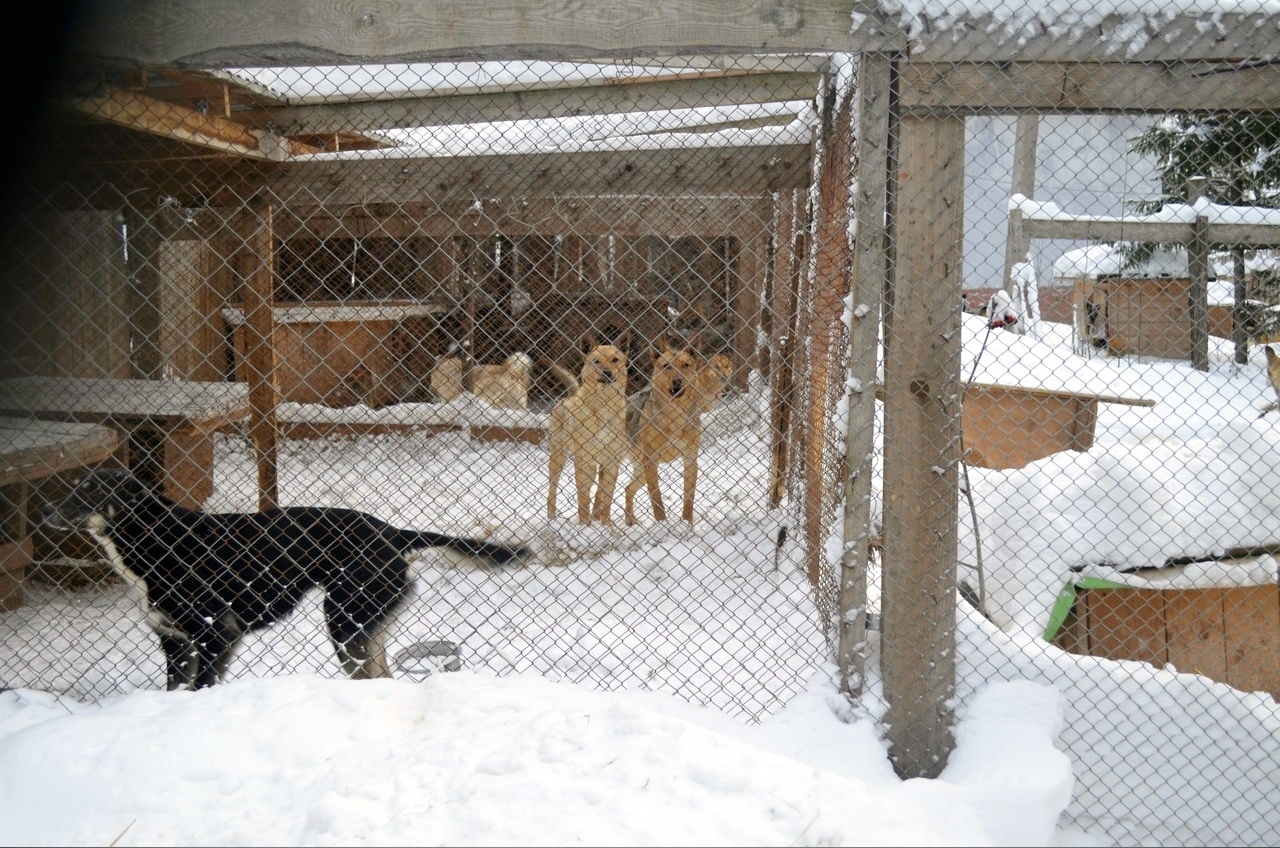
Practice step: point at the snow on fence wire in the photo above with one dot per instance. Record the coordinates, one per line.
(400, 287)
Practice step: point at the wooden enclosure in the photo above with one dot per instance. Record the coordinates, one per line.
(1231, 635)
(258, 176)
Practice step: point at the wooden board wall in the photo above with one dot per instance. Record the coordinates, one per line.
(1231, 635)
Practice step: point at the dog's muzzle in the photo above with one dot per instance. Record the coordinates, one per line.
(51, 516)
(677, 388)
(606, 376)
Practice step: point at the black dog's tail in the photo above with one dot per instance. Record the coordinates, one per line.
(409, 540)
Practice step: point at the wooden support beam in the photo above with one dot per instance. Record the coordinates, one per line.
(1017, 244)
(870, 271)
(1002, 88)
(255, 33)
(1198, 279)
(139, 112)
(1133, 229)
(622, 215)
(789, 253)
(922, 425)
(607, 97)
(260, 353)
(736, 169)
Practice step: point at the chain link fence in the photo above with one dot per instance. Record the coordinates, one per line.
(783, 318)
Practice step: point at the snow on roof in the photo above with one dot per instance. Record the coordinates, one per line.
(1010, 359)
(1066, 19)
(1104, 260)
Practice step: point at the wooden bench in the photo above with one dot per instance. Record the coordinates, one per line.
(168, 425)
(31, 450)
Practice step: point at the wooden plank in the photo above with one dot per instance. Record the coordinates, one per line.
(248, 33)
(922, 426)
(1195, 627)
(870, 271)
(586, 98)
(789, 252)
(584, 215)
(15, 559)
(732, 169)
(1127, 624)
(974, 88)
(1008, 429)
(1253, 638)
(1133, 229)
(826, 341)
(30, 449)
(260, 353)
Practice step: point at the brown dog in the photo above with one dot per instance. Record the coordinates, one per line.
(1273, 376)
(666, 423)
(590, 426)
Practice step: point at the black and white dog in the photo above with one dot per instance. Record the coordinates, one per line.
(206, 579)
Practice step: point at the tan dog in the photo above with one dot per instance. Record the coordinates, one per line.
(506, 385)
(666, 424)
(1273, 376)
(590, 426)
(447, 378)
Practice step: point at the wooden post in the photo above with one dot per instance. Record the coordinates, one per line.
(746, 284)
(870, 269)
(1239, 310)
(922, 444)
(144, 241)
(832, 269)
(1024, 183)
(1198, 274)
(788, 262)
(260, 352)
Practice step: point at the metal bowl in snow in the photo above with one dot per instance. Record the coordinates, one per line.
(423, 659)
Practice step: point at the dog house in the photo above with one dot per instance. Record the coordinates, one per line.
(1143, 311)
(1230, 634)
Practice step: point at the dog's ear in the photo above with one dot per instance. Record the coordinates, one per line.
(623, 342)
(587, 343)
(1271, 354)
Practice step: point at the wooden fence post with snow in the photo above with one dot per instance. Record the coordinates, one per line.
(922, 414)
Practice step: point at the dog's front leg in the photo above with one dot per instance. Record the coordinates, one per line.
(690, 484)
(215, 644)
(554, 469)
(650, 469)
(605, 488)
(180, 659)
(582, 477)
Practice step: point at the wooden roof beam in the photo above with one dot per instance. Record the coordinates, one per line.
(146, 114)
(596, 99)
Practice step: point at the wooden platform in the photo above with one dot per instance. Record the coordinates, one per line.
(31, 450)
(1231, 635)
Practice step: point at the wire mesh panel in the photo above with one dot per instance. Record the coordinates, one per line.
(925, 367)
(371, 288)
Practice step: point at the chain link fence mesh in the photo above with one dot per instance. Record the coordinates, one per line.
(371, 286)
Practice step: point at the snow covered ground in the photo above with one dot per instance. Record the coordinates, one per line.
(611, 691)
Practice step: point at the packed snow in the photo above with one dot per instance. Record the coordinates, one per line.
(667, 684)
